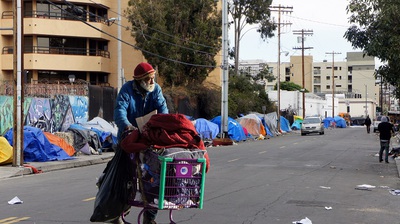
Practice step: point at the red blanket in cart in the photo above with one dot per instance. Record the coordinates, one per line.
(166, 131)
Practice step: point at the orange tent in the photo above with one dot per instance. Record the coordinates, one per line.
(54, 139)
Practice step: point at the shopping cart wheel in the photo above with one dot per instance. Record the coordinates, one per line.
(171, 219)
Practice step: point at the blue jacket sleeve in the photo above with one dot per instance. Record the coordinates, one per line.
(121, 108)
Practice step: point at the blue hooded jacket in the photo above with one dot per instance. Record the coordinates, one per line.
(131, 104)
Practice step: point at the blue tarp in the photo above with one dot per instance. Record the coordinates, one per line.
(206, 128)
(327, 122)
(285, 125)
(235, 130)
(37, 147)
(340, 122)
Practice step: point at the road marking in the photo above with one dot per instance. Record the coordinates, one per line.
(282, 147)
(262, 152)
(11, 220)
(89, 199)
(233, 160)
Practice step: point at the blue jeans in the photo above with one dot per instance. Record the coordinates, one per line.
(384, 146)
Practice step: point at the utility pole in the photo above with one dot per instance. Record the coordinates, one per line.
(225, 67)
(303, 33)
(18, 85)
(119, 47)
(280, 9)
(333, 81)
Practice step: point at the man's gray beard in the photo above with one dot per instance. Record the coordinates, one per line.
(148, 88)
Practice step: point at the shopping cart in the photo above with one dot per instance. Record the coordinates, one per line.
(168, 183)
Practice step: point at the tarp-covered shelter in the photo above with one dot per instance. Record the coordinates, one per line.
(6, 151)
(83, 138)
(103, 129)
(235, 130)
(206, 128)
(271, 121)
(298, 121)
(54, 139)
(340, 122)
(253, 124)
(285, 125)
(328, 121)
(37, 147)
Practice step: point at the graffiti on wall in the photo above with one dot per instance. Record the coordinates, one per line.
(61, 113)
(49, 114)
(79, 106)
(6, 113)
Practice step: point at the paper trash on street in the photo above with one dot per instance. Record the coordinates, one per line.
(394, 192)
(366, 187)
(303, 221)
(15, 200)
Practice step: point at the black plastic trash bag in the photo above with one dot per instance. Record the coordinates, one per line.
(116, 187)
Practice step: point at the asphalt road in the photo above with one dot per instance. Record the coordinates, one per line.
(279, 180)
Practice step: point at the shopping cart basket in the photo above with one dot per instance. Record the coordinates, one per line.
(171, 184)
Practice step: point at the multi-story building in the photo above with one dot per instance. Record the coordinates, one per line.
(354, 78)
(80, 38)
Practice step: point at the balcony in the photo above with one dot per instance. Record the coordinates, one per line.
(52, 58)
(42, 23)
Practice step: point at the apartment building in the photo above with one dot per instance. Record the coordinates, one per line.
(353, 78)
(79, 38)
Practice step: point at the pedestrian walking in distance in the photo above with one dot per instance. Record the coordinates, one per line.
(367, 123)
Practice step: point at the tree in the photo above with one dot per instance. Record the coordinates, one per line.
(181, 37)
(245, 97)
(247, 12)
(376, 31)
(289, 86)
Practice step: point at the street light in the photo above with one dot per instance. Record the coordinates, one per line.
(72, 80)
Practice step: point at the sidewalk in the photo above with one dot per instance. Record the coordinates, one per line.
(35, 167)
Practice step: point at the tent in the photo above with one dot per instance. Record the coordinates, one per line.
(266, 127)
(6, 151)
(84, 136)
(340, 122)
(271, 122)
(206, 128)
(253, 124)
(37, 147)
(235, 130)
(285, 125)
(327, 122)
(298, 121)
(103, 129)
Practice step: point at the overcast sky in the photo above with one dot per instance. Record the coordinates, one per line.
(326, 18)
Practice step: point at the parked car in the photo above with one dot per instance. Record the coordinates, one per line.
(376, 122)
(312, 125)
(357, 121)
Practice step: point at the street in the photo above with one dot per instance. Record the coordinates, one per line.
(274, 181)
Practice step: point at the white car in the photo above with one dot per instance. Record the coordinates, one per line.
(376, 122)
(312, 125)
